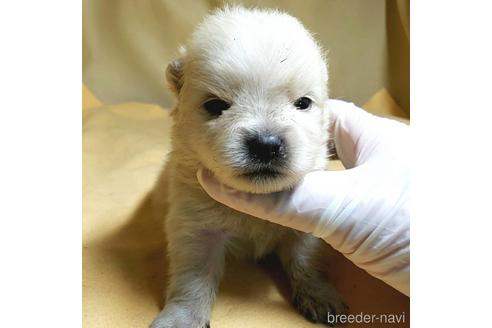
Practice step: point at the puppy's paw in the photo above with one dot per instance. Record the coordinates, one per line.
(321, 304)
(180, 316)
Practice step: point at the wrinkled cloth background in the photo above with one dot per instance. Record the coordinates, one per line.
(127, 45)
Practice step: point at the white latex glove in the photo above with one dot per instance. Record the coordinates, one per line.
(363, 211)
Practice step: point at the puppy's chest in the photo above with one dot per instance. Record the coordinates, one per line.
(248, 236)
(245, 235)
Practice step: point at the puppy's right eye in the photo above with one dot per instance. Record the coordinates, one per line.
(215, 107)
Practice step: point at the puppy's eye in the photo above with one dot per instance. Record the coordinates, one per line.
(216, 106)
(303, 103)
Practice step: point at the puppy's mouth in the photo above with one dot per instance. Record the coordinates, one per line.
(263, 173)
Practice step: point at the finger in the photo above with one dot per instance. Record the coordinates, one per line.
(264, 206)
(359, 135)
(318, 196)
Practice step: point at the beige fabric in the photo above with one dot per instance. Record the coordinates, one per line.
(390, 108)
(124, 259)
(128, 43)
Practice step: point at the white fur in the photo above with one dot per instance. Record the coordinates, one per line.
(260, 62)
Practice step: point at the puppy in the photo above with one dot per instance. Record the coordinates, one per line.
(250, 86)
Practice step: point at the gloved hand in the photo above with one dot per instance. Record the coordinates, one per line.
(363, 211)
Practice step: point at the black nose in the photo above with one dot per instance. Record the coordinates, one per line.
(265, 148)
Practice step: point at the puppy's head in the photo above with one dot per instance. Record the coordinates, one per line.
(251, 87)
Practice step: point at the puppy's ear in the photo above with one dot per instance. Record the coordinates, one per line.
(174, 75)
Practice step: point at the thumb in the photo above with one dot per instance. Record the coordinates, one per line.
(315, 198)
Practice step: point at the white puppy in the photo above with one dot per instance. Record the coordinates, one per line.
(250, 85)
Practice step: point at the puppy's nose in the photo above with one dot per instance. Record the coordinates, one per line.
(265, 148)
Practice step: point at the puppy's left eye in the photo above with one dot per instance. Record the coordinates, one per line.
(216, 106)
(303, 103)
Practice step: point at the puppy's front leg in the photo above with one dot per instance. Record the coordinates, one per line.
(302, 257)
(196, 266)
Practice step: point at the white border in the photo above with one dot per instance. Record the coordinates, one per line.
(40, 174)
(451, 117)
